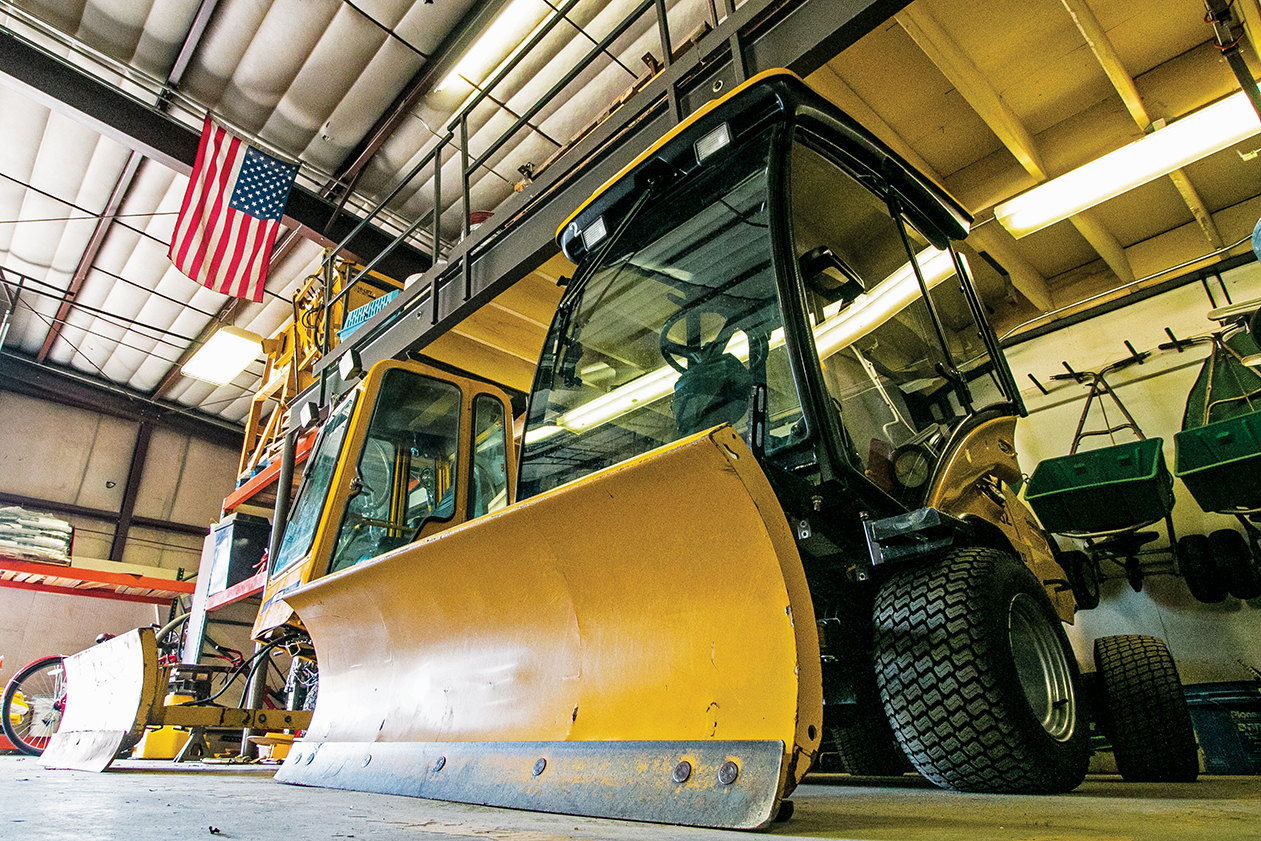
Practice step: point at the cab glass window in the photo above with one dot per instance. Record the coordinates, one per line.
(488, 490)
(667, 330)
(405, 474)
(304, 516)
(882, 359)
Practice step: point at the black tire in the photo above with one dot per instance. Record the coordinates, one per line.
(977, 676)
(1233, 557)
(1143, 711)
(1083, 577)
(42, 685)
(1199, 569)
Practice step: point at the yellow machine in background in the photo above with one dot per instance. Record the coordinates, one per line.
(408, 452)
(293, 349)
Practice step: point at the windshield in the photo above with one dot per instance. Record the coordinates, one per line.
(406, 470)
(668, 333)
(309, 504)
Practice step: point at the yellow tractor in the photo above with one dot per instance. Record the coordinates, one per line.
(766, 498)
(405, 453)
(766, 492)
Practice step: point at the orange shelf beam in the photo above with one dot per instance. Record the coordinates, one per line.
(70, 580)
(251, 586)
(268, 475)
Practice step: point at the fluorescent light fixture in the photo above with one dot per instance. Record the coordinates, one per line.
(839, 328)
(871, 309)
(509, 30)
(1191, 138)
(225, 356)
(540, 433)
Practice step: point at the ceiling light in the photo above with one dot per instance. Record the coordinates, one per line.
(225, 356)
(1191, 138)
(507, 32)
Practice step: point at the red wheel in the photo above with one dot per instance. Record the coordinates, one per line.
(33, 703)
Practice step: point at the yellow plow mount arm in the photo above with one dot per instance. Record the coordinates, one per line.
(636, 644)
(116, 689)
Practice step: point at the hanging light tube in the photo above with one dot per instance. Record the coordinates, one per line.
(1219, 126)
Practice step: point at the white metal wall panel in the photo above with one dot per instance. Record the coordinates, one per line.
(84, 462)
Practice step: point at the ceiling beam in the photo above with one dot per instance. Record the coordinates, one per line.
(21, 375)
(1104, 243)
(443, 59)
(103, 222)
(68, 90)
(959, 70)
(976, 90)
(1101, 45)
(192, 40)
(989, 238)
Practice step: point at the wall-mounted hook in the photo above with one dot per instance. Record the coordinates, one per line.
(1135, 355)
(1174, 342)
(1071, 375)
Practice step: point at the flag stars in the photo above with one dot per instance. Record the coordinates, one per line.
(262, 187)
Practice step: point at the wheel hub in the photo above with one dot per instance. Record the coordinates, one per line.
(1041, 667)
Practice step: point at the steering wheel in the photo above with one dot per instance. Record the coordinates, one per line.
(675, 353)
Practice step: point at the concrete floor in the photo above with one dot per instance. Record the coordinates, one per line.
(158, 801)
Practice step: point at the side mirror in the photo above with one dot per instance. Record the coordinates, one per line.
(830, 276)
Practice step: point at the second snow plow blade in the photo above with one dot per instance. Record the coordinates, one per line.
(115, 690)
(637, 644)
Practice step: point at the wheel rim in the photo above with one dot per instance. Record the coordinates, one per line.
(38, 704)
(1041, 667)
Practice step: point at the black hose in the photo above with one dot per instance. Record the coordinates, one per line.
(253, 662)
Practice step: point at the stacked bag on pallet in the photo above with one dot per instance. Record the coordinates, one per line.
(40, 537)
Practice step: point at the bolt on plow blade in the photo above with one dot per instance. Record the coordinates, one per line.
(110, 689)
(637, 644)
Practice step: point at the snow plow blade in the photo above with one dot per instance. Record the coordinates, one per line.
(109, 690)
(637, 644)
(116, 689)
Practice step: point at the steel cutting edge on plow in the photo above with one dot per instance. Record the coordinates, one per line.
(666, 674)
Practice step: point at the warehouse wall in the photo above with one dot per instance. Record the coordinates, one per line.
(1208, 641)
(78, 457)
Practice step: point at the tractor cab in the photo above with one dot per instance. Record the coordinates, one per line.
(774, 269)
(408, 452)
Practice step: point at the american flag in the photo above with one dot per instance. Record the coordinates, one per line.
(231, 212)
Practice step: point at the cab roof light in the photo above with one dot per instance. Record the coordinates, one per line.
(595, 232)
(715, 141)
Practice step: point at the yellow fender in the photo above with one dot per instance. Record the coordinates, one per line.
(639, 643)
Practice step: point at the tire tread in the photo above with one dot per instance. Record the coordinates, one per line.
(1144, 711)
